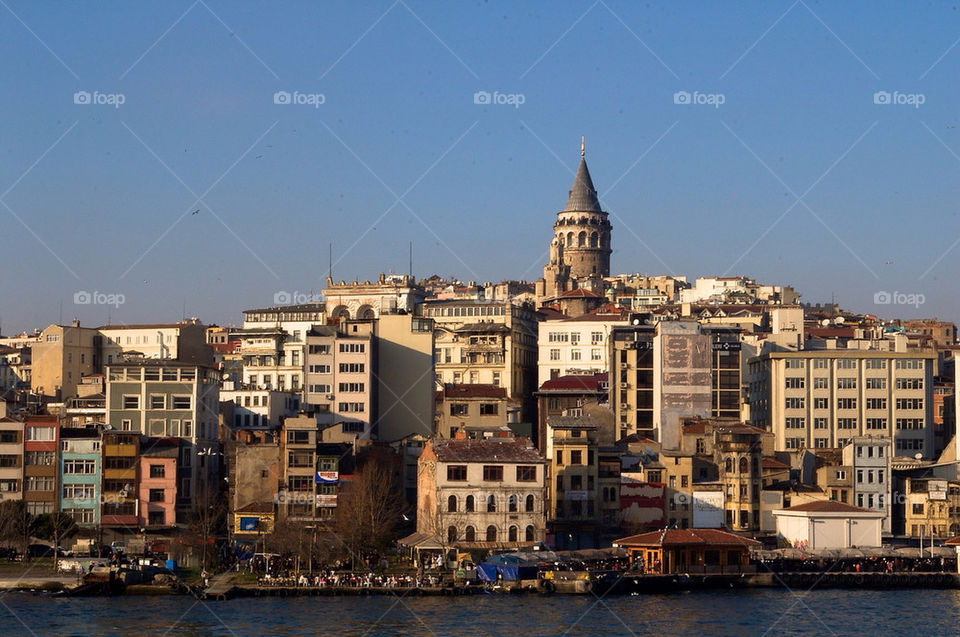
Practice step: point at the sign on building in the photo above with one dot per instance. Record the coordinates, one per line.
(326, 500)
(708, 509)
(327, 477)
(937, 489)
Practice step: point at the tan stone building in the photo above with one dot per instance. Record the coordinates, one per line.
(61, 356)
(932, 508)
(825, 398)
(489, 343)
(367, 300)
(480, 409)
(486, 494)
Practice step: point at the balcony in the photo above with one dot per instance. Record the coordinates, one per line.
(119, 450)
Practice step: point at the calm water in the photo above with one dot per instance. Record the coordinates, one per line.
(906, 613)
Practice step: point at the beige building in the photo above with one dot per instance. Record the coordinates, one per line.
(390, 294)
(341, 382)
(825, 398)
(61, 356)
(11, 456)
(405, 375)
(486, 494)
(473, 409)
(488, 343)
(578, 345)
(185, 341)
(932, 508)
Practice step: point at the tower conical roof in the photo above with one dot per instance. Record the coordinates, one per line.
(583, 196)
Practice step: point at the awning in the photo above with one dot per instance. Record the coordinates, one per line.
(421, 541)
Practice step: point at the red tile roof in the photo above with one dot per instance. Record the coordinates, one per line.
(685, 537)
(486, 450)
(773, 463)
(580, 293)
(585, 383)
(463, 390)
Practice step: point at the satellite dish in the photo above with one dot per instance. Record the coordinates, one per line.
(839, 320)
(636, 321)
(825, 322)
(918, 456)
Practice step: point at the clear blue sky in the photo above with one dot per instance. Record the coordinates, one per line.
(692, 189)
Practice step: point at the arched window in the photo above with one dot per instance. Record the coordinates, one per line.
(743, 465)
(727, 466)
(529, 507)
(491, 504)
(451, 534)
(512, 534)
(491, 533)
(470, 535)
(452, 504)
(582, 239)
(469, 503)
(570, 239)
(529, 533)
(593, 240)
(512, 504)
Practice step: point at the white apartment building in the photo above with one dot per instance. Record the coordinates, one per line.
(185, 341)
(576, 346)
(258, 408)
(870, 460)
(826, 398)
(341, 384)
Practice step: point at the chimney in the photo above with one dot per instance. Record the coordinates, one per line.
(75, 322)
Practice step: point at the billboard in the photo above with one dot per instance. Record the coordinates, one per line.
(248, 523)
(937, 489)
(641, 503)
(708, 509)
(326, 500)
(327, 477)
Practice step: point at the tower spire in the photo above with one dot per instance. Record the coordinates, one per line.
(582, 151)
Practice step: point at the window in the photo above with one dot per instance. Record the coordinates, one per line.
(452, 504)
(795, 422)
(298, 437)
(451, 534)
(528, 505)
(909, 383)
(846, 363)
(491, 533)
(181, 402)
(353, 388)
(300, 459)
(793, 403)
(876, 383)
(909, 403)
(300, 483)
(595, 354)
(351, 408)
(42, 434)
(351, 368)
(821, 382)
(319, 369)
(158, 401)
(875, 363)
(876, 403)
(909, 423)
(576, 457)
(80, 466)
(457, 472)
(459, 409)
(469, 507)
(876, 423)
(352, 348)
(846, 403)
(491, 504)
(819, 423)
(820, 363)
(513, 504)
(793, 443)
(846, 423)
(470, 535)
(40, 483)
(157, 471)
(794, 382)
(528, 534)
(554, 354)
(131, 402)
(156, 495)
(526, 473)
(794, 363)
(488, 409)
(78, 491)
(512, 534)
(493, 473)
(846, 383)
(909, 363)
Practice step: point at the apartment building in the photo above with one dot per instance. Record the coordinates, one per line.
(404, 367)
(931, 508)
(341, 383)
(272, 358)
(297, 498)
(11, 456)
(663, 373)
(486, 493)
(157, 487)
(185, 341)
(825, 398)
(573, 500)
(81, 475)
(869, 459)
(41, 464)
(162, 399)
(60, 356)
(471, 408)
(568, 396)
(579, 345)
(119, 515)
(260, 409)
(486, 342)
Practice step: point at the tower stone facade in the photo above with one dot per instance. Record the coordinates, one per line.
(580, 249)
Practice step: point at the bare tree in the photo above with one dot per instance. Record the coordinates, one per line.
(16, 525)
(208, 522)
(371, 507)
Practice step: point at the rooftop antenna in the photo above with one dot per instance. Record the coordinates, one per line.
(411, 258)
(60, 320)
(582, 148)
(330, 264)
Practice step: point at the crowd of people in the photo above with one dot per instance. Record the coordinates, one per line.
(352, 580)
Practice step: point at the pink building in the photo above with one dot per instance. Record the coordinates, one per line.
(158, 483)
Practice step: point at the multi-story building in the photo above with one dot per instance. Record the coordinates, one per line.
(164, 399)
(391, 294)
(825, 398)
(157, 487)
(869, 458)
(41, 464)
(119, 513)
(298, 458)
(931, 508)
(81, 475)
(61, 356)
(11, 456)
(578, 345)
(487, 493)
(574, 497)
(185, 341)
(490, 343)
(272, 359)
(406, 376)
(663, 373)
(257, 408)
(341, 381)
(471, 407)
(568, 396)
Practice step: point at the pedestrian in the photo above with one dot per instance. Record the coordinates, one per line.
(205, 576)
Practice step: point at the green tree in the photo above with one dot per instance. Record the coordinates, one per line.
(16, 525)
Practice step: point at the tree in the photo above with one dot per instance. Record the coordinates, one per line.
(370, 508)
(16, 525)
(55, 526)
(311, 544)
(208, 521)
